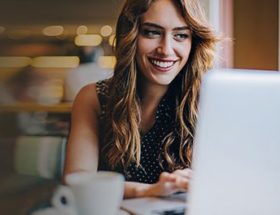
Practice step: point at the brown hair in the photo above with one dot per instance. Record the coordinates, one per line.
(123, 113)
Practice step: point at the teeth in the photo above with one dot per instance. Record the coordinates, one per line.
(162, 64)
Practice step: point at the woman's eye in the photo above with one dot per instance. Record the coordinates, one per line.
(181, 37)
(150, 33)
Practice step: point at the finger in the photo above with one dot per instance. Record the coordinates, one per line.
(167, 177)
(186, 173)
(182, 179)
(182, 183)
(170, 183)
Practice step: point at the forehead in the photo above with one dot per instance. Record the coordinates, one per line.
(164, 13)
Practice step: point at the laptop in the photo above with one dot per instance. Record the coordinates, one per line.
(236, 159)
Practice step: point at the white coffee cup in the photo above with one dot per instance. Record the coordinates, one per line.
(90, 193)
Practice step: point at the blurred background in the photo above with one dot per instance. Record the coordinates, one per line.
(42, 41)
(50, 49)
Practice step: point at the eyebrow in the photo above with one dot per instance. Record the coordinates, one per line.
(149, 24)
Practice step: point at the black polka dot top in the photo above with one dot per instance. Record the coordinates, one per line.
(151, 142)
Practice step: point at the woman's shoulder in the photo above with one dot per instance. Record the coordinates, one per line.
(94, 89)
(87, 98)
(94, 95)
(87, 91)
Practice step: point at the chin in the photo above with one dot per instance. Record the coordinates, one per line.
(164, 82)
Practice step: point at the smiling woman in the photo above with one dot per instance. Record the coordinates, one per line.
(141, 122)
(163, 45)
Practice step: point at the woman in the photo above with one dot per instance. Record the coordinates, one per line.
(141, 122)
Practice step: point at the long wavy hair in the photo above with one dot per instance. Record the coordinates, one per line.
(122, 135)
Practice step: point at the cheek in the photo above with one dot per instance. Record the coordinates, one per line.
(145, 46)
(184, 51)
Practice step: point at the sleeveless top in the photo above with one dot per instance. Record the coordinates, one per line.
(151, 142)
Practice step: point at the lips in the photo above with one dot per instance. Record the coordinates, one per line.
(162, 64)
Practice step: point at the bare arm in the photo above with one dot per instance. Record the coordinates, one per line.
(82, 146)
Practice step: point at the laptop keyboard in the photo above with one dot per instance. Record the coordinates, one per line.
(177, 211)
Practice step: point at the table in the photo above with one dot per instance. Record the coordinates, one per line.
(22, 195)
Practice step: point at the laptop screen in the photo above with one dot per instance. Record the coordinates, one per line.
(236, 156)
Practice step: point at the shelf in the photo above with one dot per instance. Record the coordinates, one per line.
(35, 107)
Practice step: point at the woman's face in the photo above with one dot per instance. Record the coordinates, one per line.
(164, 43)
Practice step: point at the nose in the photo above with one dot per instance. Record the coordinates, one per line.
(165, 47)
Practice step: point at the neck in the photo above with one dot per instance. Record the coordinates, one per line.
(151, 92)
(151, 95)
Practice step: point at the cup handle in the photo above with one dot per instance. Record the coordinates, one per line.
(64, 200)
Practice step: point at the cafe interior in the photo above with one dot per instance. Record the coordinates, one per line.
(51, 49)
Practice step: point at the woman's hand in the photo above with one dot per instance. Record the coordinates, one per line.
(168, 183)
(172, 182)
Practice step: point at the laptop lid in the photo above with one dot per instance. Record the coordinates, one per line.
(236, 159)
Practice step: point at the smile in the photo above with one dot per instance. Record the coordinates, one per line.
(162, 64)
